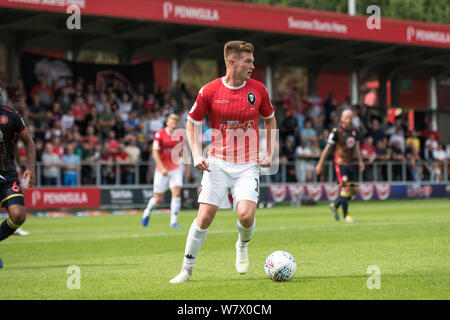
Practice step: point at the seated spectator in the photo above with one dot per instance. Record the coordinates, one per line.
(44, 92)
(70, 164)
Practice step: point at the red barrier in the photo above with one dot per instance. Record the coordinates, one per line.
(52, 198)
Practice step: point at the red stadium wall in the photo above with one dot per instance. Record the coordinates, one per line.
(418, 96)
(161, 70)
(444, 96)
(337, 82)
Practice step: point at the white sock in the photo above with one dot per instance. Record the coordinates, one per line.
(175, 206)
(194, 242)
(245, 234)
(150, 205)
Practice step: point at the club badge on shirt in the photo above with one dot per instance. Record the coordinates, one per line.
(251, 98)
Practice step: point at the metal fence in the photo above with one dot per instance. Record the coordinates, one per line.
(303, 171)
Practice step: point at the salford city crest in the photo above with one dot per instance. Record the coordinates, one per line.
(251, 98)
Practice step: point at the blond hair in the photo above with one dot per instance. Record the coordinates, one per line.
(237, 47)
(173, 116)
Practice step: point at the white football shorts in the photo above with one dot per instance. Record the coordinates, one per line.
(162, 183)
(241, 179)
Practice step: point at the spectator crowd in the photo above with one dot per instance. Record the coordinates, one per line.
(78, 125)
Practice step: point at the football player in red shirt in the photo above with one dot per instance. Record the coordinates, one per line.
(234, 104)
(168, 173)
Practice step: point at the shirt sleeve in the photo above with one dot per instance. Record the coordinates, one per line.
(266, 109)
(333, 136)
(200, 107)
(157, 141)
(20, 125)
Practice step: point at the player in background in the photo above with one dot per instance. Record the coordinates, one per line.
(234, 104)
(12, 128)
(344, 138)
(168, 174)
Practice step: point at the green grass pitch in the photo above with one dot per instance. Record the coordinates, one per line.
(409, 241)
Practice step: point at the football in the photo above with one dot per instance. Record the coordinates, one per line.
(280, 266)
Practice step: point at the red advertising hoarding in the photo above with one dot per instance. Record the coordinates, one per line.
(53, 198)
(258, 17)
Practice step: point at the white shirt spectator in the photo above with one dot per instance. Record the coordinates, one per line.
(67, 121)
(398, 137)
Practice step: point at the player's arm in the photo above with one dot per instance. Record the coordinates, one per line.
(30, 150)
(159, 162)
(322, 158)
(270, 125)
(194, 128)
(17, 158)
(332, 138)
(359, 156)
(194, 137)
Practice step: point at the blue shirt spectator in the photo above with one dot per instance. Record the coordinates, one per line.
(71, 163)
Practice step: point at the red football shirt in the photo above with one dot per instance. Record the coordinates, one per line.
(233, 115)
(165, 143)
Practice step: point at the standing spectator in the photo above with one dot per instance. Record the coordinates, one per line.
(289, 126)
(305, 162)
(51, 166)
(131, 124)
(106, 120)
(375, 131)
(308, 134)
(80, 110)
(400, 138)
(399, 158)
(125, 106)
(134, 156)
(369, 155)
(288, 152)
(70, 164)
(383, 153)
(68, 120)
(65, 100)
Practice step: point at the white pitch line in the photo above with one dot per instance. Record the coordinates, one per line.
(136, 236)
